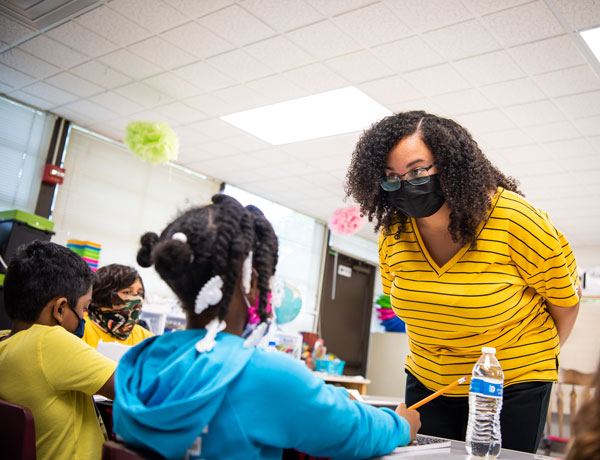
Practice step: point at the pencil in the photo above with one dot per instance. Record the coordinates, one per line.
(439, 392)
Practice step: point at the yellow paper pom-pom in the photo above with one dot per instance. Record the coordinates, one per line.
(154, 142)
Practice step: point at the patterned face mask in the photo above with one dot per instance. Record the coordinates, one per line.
(119, 320)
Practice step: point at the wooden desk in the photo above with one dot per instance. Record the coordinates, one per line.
(353, 382)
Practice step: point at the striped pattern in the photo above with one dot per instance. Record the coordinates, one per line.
(492, 295)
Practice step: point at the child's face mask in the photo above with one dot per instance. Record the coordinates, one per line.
(253, 318)
(119, 320)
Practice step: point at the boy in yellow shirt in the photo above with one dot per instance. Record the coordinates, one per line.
(44, 364)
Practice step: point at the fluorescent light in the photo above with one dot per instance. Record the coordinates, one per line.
(327, 114)
(592, 39)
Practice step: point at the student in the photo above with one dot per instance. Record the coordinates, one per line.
(114, 312)
(468, 262)
(44, 364)
(585, 444)
(205, 390)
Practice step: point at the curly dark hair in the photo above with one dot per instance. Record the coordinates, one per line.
(466, 175)
(109, 280)
(39, 272)
(219, 237)
(586, 436)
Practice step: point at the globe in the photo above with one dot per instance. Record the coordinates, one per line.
(291, 304)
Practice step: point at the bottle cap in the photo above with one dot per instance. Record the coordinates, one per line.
(491, 350)
(271, 343)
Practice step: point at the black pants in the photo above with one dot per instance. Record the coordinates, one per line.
(524, 411)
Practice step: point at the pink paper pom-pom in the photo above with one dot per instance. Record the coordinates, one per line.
(346, 221)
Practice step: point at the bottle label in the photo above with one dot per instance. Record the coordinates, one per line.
(486, 387)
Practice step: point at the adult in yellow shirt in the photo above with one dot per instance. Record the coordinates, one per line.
(468, 262)
(44, 364)
(114, 312)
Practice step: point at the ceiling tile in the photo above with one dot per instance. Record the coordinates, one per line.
(25, 62)
(238, 98)
(162, 53)
(315, 78)
(236, 25)
(502, 139)
(100, 74)
(282, 15)
(547, 55)
(117, 103)
(570, 149)
(91, 109)
(33, 101)
(311, 39)
(429, 105)
(390, 90)
(429, 15)
(489, 68)
(407, 54)
(359, 67)
(12, 31)
(485, 122)
(13, 77)
(581, 14)
(513, 92)
(588, 126)
(527, 154)
(177, 113)
(436, 80)
(113, 26)
(460, 102)
(80, 38)
(534, 113)
(53, 51)
(153, 15)
(279, 53)
(523, 24)
(239, 65)
(207, 103)
(489, 6)
(247, 143)
(217, 129)
(373, 25)
(195, 9)
(73, 84)
(197, 40)
(553, 131)
(569, 81)
(335, 7)
(205, 77)
(50, 93)
(130, 64)
(144, 95)
(462, 40)
(580, 105)
(171, 85)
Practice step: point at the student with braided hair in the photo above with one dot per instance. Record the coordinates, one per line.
(205, 392)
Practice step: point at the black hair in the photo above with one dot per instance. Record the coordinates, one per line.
(219, 237)
(39, 272)
(109, 280)
(466, 175)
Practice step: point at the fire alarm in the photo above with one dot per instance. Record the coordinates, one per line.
(53, 175)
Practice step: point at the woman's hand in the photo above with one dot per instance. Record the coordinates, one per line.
(412, 417)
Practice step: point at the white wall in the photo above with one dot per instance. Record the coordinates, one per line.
(112, 197)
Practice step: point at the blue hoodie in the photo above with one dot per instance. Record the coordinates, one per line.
(240, 403)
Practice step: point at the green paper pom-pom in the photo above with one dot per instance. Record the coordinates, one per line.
(154, 142)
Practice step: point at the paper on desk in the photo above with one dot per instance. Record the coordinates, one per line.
(112, 350)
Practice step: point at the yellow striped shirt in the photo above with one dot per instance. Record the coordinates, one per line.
(491, 295)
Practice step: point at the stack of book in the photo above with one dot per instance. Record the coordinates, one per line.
(88, 250)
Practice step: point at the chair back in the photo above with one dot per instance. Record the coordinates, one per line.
(112, 450)
(569, 378)
(17, 432)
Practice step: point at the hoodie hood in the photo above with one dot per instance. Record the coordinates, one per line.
(167, 392)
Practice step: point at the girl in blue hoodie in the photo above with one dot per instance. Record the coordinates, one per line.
(206, 393)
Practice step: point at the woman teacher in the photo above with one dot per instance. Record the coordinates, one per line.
(468, 262)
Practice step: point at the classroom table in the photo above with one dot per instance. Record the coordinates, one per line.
(457, 451)
(355, 382)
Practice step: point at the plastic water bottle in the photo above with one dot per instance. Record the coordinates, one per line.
(485, 403)
(272, 346)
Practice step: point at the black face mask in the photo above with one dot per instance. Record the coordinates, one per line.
(419, 200)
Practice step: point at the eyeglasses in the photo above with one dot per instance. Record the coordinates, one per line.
(417, 176)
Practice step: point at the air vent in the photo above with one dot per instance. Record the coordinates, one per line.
(46, 13)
